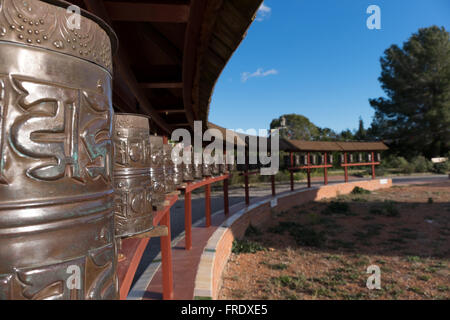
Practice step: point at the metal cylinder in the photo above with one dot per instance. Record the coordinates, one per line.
(188, 168)
(231, 164)
(342, 158)
(133, 189)
(157, 172)
(169, 166)
(207, 169)
(369, 157)
(350, 157)
(178, 174)
(360, 157)
(297, 160)
(330, 159)
(378, 155)
(56, 204)
(215, 169)
(304, 160)
(197, 165)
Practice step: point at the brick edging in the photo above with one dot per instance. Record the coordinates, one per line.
(218, 249)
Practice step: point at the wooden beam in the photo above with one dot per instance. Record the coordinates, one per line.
(125, 73)
(191, 43)
(177, 125)
(147, 12)
(171, 111)
(161, 85)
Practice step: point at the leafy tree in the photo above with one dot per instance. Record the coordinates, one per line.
(361, 134)
(297, 127)
(327, 134)
(346, 135)
(415, 115)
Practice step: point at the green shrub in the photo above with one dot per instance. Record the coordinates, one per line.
(421, 164)
(441, 168)
(337, 207)
(245, 246)
(390, 209)
(301, 234)
(359, 190)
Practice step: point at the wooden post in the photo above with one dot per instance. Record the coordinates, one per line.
(247, 195)
(226, 207)
(345, 167)
(309, 170)
(208, 205)
(166, 260)
(165, 140)
(291, 171)
(373, 165)
(325, 170)
(188, 219)
(273, 185)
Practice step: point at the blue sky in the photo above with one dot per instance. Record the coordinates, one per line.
(315, 58)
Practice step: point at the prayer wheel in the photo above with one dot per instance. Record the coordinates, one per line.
(197, 165)
(207, 169)
(56, 154)
(216, 169)
(168, 166)
(178, 174)
(188, 167)
(132, 183)
(157, 172)
(297, 160)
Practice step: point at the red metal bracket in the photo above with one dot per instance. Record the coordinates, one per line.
(133, 249)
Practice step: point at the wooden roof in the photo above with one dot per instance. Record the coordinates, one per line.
(171, 54)
(325, 146)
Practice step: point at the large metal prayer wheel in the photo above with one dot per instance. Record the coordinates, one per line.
(56, 203)
(132, 182)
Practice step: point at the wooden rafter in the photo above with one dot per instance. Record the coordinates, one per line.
(166, 111)
(147, 12)
(161, 85)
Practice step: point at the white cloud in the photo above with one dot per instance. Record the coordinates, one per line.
(258, 73)
(263, 12)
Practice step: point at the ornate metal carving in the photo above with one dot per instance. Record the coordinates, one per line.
(188, 170)
(177, 171)
(207, 169)
(56, 206)
(197, 166)
(168, 165)
(132, 183)
(216, 169)
(39, 24)
(157, 171)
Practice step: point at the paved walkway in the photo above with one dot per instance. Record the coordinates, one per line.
(185, 262)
